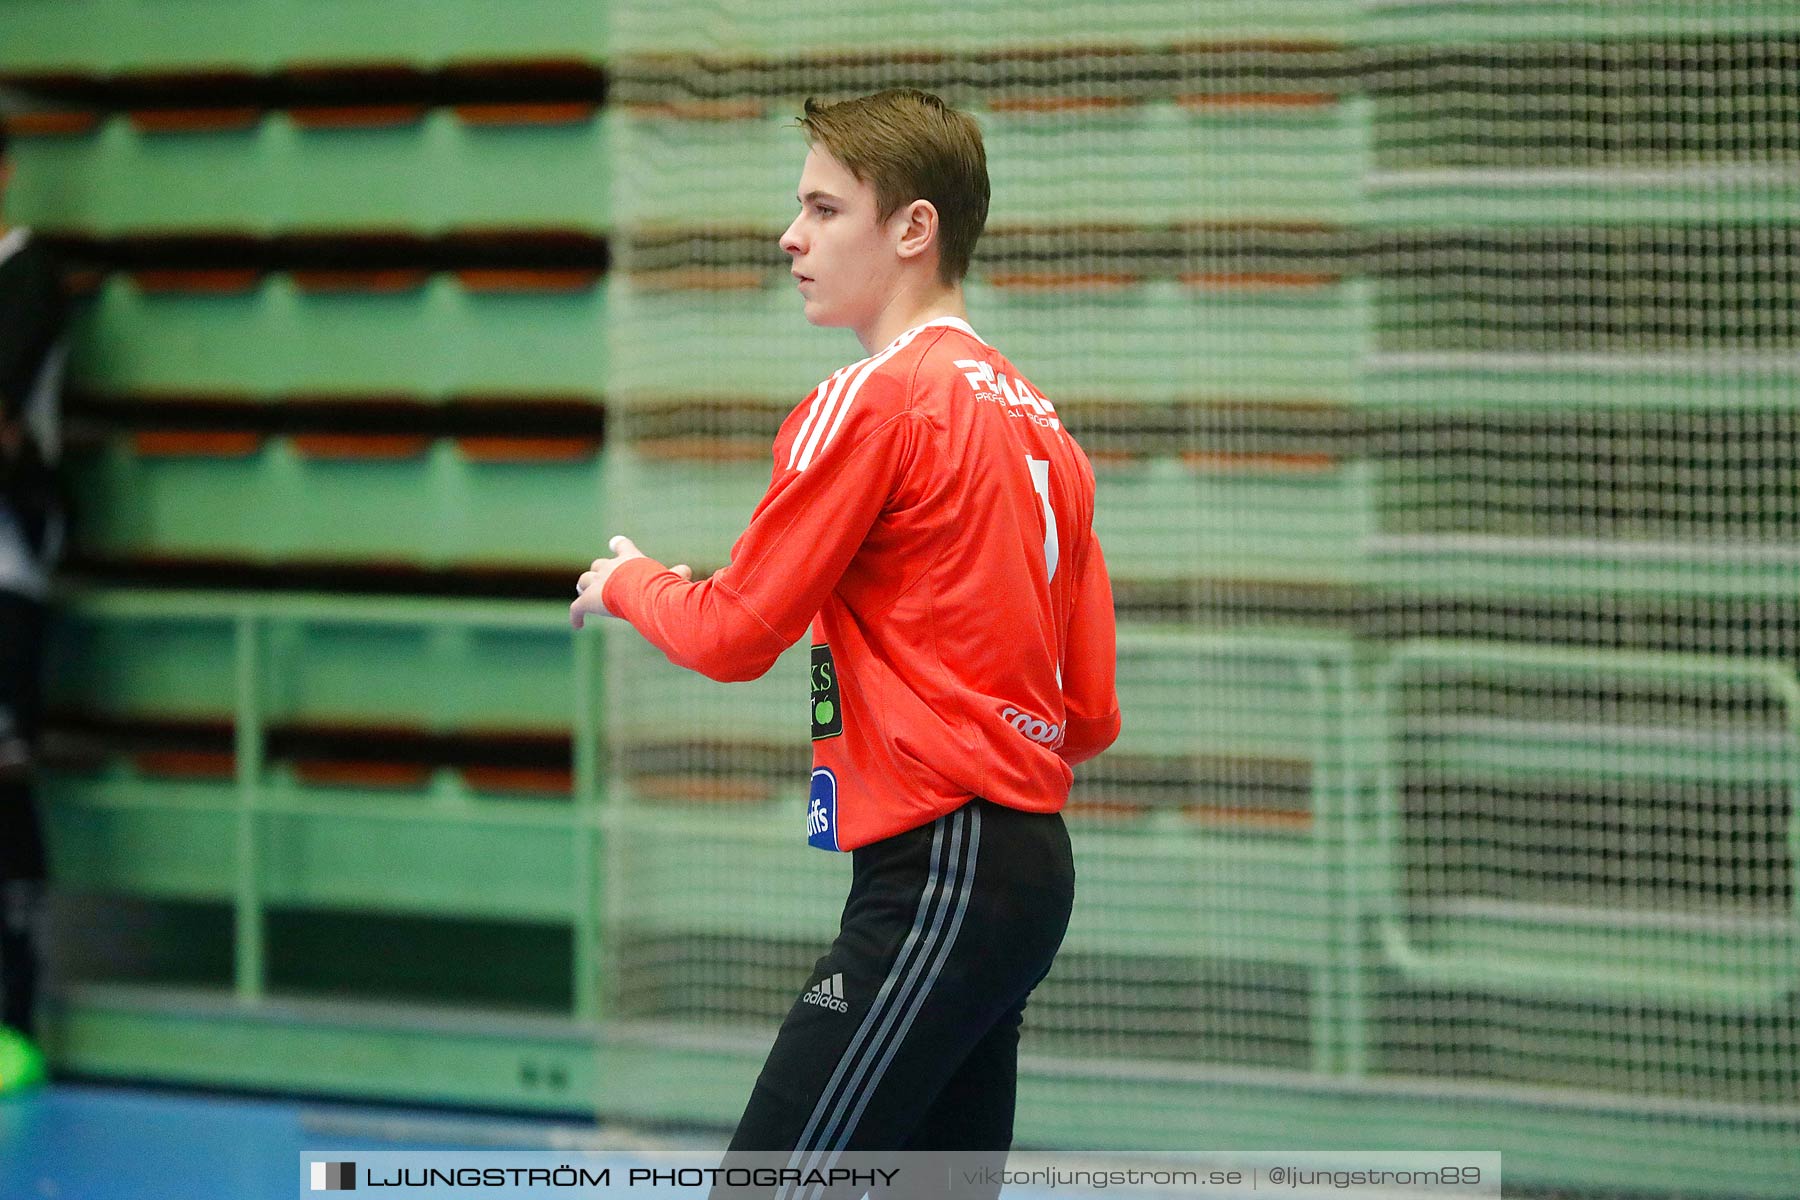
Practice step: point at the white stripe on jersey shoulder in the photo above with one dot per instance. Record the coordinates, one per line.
(827, 396)
(822, 396)
(845, 397)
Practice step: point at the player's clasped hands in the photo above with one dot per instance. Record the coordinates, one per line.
(593, 580)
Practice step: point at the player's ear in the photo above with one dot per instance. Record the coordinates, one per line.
(918, 230)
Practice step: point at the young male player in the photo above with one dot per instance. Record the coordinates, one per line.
(931, 520)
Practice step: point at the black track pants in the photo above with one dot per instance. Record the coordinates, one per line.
(906, 1035)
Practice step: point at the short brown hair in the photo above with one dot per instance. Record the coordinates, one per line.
(909, 145)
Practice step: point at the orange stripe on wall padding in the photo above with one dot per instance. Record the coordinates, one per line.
(701, 279)
(1063, 280)
(361, 445)
(701, 789)
(219, 281)
(53, 124)
(537, 780)
(1257, 279)
(357, 116)
(528, 449)
(495, 279)
(1217, 814)
(384, 280)
(571, 112)
(195, 443)
(185, 764)
(194, 120)
(362, 774)
(702, 449)
(1061, 104)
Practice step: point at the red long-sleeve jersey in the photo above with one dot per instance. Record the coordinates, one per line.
(932, 520)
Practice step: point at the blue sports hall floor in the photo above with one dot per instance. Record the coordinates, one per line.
(81, 1141)
(95, 1141)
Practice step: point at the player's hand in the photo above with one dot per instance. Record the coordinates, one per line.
(592, 583)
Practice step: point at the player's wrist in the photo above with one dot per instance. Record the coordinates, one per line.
(620, 567)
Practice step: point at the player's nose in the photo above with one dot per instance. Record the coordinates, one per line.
(790, 239)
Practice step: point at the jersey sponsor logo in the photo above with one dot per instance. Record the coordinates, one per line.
(821, 810)
(1036, 728)
(828, 993)
(1016, 395)
(827, 704)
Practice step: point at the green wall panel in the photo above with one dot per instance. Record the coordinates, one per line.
(155, 34)
(381, 661)
(382, 1051)
(437, 851)
(429, 176)
(439, 338)
(437, 507)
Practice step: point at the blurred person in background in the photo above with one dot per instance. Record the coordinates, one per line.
(33, 346)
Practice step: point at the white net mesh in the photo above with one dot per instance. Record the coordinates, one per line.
(1438, 362)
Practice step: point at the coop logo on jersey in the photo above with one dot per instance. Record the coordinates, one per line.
(1016, 395)
(1035, 728)
(821, 810)
(827, 704)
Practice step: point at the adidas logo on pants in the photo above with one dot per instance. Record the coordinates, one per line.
(828, 993)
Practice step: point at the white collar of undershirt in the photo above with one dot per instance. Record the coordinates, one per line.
(952, 322)
(13, 241)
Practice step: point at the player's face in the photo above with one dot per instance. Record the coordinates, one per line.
(844, 260)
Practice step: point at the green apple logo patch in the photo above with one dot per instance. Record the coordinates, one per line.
(827, 707)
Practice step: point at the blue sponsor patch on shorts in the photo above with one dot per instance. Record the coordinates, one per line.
(821, 810)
